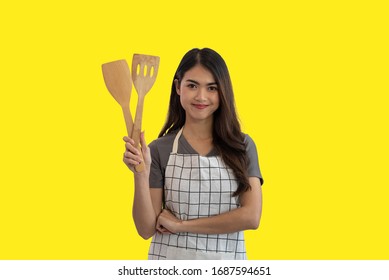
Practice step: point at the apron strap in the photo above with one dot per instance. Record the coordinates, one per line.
(175, 143)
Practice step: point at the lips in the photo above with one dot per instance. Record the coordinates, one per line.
(200, 106)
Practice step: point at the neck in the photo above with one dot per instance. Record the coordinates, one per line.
(200, 131)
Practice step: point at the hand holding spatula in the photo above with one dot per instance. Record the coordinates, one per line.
(119, 83)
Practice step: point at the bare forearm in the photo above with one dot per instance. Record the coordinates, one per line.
(246, 217)
(233, 221)
(243, 218)
(143, 211)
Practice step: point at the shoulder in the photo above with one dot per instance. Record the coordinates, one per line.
(163, 144)
(252, 155)
(249, 142)
(160, 150)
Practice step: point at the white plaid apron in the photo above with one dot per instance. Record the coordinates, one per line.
(195, 187)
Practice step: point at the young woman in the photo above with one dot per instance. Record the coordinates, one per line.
(201, 187)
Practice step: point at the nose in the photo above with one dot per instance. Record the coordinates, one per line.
(201, 94)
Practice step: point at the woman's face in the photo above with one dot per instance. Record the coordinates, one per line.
(198, 93)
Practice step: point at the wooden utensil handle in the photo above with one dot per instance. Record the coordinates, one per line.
(128, 120)
(137, 130)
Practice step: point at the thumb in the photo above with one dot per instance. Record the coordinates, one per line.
(143, 140)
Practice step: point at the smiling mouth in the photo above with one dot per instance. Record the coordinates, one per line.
(200, 106)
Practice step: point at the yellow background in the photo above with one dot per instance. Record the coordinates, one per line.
(311, 86)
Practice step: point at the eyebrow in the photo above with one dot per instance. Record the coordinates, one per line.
(197, 83)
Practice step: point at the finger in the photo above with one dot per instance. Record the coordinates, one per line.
(143, 140)
(130, 148)
(159, 227)
(162, 229)
(131, 156)
(130, 162)
(128, 140)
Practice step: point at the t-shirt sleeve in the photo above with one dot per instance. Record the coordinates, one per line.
(156, 178)
(253, 164)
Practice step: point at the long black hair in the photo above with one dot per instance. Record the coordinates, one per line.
(228, 138)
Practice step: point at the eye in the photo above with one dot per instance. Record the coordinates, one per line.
(212, 88)
(191, 86)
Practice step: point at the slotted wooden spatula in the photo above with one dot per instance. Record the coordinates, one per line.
(118, 81)
(144, 73)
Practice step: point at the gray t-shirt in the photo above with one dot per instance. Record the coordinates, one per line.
(161, 148)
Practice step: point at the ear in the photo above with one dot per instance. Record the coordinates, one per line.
(176, 84)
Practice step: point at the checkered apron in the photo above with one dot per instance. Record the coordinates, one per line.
(196, 187)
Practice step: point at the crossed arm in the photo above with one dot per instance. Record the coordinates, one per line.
(149, 216)
(245, 217)
(153, 219)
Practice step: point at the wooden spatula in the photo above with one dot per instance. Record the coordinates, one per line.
(144, 73)
(118, 81)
